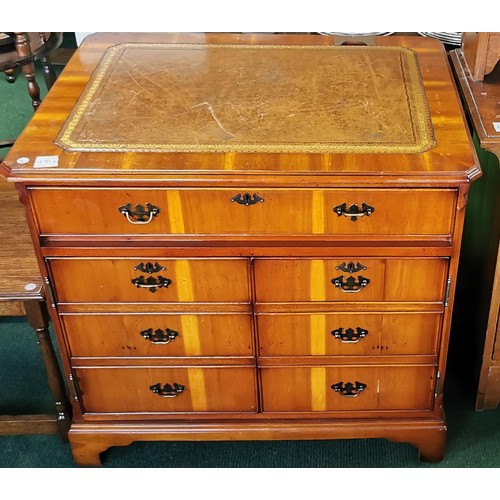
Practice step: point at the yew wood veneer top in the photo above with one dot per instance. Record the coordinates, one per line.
(213, 107)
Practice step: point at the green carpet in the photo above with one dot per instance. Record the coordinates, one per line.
(473, 437)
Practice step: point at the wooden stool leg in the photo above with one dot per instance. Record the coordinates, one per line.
(23, 50)
(37, 316)
(48, 70)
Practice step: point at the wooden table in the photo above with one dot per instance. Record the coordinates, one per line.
(480, 293)
(22, 294)
(250, 236)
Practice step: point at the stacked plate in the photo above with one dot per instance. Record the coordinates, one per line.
(453, 38)
(6, 42)
(373, 33)
(6, 38)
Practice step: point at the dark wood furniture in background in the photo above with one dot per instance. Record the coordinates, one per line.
(239, 248)
(22, 294)
(480, 53)
(480, 257)
(26, 49)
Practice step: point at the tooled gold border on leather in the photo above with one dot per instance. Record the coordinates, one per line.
(417, 105)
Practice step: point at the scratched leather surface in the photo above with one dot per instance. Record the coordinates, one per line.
(186, 98)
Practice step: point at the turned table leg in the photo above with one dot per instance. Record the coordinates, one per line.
(23, 50)
(37, 317)
(48, 70)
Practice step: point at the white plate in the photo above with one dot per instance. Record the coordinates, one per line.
(451, 38)
(371, 33)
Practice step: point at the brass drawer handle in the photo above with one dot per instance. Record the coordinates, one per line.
(149, 267)
(167, 391)
(246, 199)
(351, 284)
(349, 390)
(349, 336)
(353, 212)
(351, 267)
(139, 215)
(159, 336)
(151, 284)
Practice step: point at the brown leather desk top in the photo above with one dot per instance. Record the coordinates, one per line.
(210, 107)
(245, 98)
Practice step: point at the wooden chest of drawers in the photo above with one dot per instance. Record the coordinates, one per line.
(250, 237)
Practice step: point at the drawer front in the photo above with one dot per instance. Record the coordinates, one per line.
(167, 390)
(246, 211)
(351, 388)
(351, 279)
(171, 335)
(164, 335)
(150, 280)
(348, 334)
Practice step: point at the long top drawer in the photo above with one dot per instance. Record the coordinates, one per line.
(239, 211)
